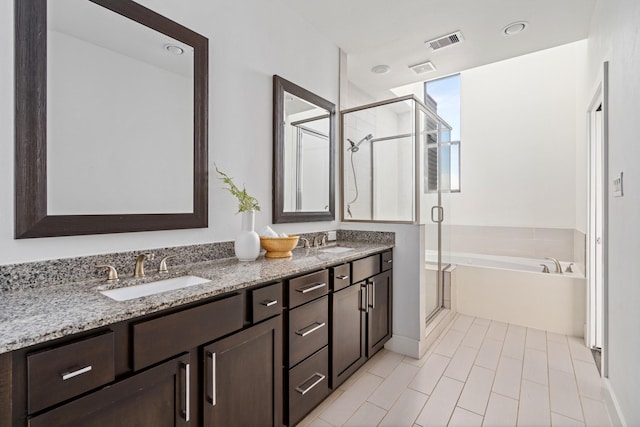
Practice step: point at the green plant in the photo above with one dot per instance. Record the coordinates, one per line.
(245, 201)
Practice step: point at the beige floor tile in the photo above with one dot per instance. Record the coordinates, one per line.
(348, 403)
(366, 416)
(578, 350)
(429, 375)
(533, 410)
(559, 357)
(482, 322)
(563, 394)
(514, 342)
(553, 337)
(462, 323)
(318, 422)
(449, 343)
(508, 376)
(558, 420)
(416, 362)
(392, 387)
(501, 411)
(536, 339)
(441, 403)
(497, 330)
(461, 363)
(463, 418)
(386, 364)
(588, 379)
(406, 409)
(477, 390)
(320, 408)
(595, 413)
(489, 354)
(474, 336)
(535, 366)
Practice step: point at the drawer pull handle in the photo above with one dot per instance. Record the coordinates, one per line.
(304, 391)
(268, 303)
(312, 287)
(69, 375)
(389, 261)
(212, 400)
(342, 277)
(309, 329)
(187, 395)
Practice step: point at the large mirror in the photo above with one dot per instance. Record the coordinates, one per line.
(111, 119)
(303, 157)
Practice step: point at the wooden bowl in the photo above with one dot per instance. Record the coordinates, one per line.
(278, 247)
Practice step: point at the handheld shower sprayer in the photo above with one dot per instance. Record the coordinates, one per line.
(355, 146)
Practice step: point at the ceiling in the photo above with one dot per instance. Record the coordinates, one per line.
(374, 32)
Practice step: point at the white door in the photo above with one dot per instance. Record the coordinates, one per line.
(598, 214)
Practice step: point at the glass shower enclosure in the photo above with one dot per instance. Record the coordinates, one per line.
(391, 172)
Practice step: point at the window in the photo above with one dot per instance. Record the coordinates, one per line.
(443, 97)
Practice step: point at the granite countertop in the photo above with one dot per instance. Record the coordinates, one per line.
(35, 315)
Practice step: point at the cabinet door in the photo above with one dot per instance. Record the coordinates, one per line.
(243, 378)
(379, 316)
(348, 332)
(156, 397)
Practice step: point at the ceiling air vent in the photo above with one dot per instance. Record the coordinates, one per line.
(444, 41)
(423, 67)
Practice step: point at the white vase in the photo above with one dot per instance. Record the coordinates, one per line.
(247, 244)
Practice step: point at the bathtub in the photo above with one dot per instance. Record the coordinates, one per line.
(514, 290)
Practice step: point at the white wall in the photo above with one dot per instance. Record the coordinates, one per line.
(248, 43)
(615, 36)
(520, 141)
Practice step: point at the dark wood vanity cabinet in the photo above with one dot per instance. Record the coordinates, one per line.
(242, 378)
(361, 315)
(260, 356)
(159, 396)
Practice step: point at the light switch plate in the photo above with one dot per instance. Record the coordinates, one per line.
(332, 235)
(617, 186)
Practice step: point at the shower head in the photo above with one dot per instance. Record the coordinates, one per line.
(356, 146)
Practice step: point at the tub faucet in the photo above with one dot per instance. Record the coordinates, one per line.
(545, 268)
(139, 270)
(557, 263)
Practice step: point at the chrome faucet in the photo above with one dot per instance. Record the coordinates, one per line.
(557, 263)
(139, 270)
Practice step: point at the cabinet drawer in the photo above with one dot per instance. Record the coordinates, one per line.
(265, 302)
(340, 276)
(161, 338)
(308, 329)
(67, 371)
(308, 287)
(308, 385)
(365, 268)
(387, 260)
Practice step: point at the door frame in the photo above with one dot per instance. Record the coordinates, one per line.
(599, 101)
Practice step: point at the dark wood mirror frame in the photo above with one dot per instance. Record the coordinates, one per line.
(280, 86)
(31, 218)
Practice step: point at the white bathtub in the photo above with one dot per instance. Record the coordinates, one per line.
(515, 290)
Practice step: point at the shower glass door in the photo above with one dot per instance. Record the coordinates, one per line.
(435, 136)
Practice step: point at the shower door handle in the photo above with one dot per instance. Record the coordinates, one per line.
(440, 211)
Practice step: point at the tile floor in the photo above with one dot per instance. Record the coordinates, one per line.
(478, 373)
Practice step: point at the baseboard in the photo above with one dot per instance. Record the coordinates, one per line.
(404, 345)
(613, 407)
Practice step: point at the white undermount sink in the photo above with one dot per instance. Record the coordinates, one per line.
(131, 292)
(336, 249)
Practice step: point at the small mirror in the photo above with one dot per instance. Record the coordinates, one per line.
(303, 158)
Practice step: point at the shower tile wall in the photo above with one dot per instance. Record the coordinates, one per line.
(526, 242)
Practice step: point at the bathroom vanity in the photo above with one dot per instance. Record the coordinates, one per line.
(262, 343)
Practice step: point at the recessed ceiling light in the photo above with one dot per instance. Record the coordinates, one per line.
(514, 28)
(380, 69)
(171, 48)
